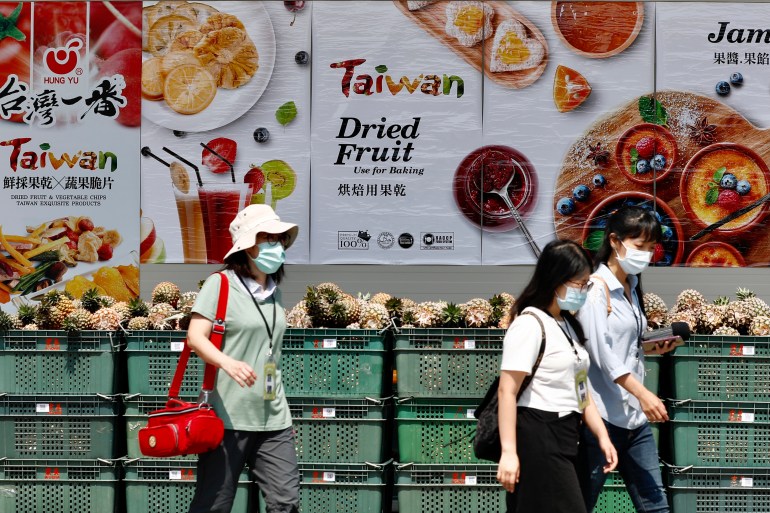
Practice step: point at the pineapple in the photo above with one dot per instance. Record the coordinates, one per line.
(138, 308)
(106, 319)
(78, 320)
(395, 307)
(159, 316)
(27, 313)
(655, 310)
(298, 316)
(16, 322)
(738, 316)
(342, 312)
(756, 307)
(408, 319)
(54, 308)
(711, 317)
(380, 298)
(186, 302)
(477, 313)
(407, 303)
(427, 314)
(452, 316)
(107, 301)
(689, 300)
(139, 323)
(760, 326)
(726, 331)
(353, 307)
(328, 287)
(374, 316)
(6, 323)
(30, 327)
(91, 301)
(501, 306)
(121, 307)
(320, 300)
(166, 292)
(688, 316)
(722, 301)
(354, 326)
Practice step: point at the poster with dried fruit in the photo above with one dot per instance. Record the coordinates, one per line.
(397, 99)
(553, 146)
(712, 76)
(69, 129)
(226, 108)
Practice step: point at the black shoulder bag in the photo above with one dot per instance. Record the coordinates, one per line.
(486, 443)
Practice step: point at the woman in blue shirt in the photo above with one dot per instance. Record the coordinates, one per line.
(616, 375)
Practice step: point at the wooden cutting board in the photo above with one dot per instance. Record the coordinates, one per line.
(683, 109)
(432, 18)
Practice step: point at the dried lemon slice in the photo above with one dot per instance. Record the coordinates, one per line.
(164, 31)
(189, 89)
(175, 59)
(152, 79)
(180, 177)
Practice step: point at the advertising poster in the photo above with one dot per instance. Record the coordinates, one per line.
(69, 130)
(226, 123)
(562, 86)
(713, 71)
(397, 104)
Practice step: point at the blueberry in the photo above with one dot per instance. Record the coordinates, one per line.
(581, 193)
(599, 181)
(743, 187)
(302, 57)
(179, 133)
(600, 223)
(642, 166)
(736, 78)
(723, 88)
(261, 135)
(666, 259)
(658, 162)
(728, 181)
(667, 232)
(565, 206)
(658, 216)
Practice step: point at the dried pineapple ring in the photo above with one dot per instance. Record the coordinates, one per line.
(221, 20)
(186, 40)
(175, 59)
(164, 31)
(229, 55)
(180, 177)
(196, 11)
(189, 89)
(152, 79)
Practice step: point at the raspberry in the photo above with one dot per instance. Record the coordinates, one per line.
(104, 252)
(729, 199)
(646, 148)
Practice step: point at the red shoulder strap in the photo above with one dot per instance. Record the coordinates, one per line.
(217, 332)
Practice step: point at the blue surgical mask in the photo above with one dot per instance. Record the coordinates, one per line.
(573, 299)
(271, 257)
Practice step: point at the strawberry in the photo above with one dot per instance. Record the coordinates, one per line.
(646, 148)
(729, 199)
(85, 224)
(226, 148)
(104, 252)
(658, 253)
(255, 177)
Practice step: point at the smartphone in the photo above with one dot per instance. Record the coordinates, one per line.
(651, 345)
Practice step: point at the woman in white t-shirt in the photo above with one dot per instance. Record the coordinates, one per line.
(539, 429)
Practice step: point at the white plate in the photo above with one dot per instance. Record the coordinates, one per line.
(228, 104)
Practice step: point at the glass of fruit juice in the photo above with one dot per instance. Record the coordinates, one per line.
(188, 206)
(220, 202)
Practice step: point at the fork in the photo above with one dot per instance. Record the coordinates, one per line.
(503, 193)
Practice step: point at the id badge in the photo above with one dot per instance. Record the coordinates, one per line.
(270, 378)
(581, 388)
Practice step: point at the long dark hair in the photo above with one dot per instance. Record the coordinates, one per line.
(560, 261)
(238, 262)
(630, 222)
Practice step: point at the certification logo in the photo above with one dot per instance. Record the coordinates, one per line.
(385, 240)
(353, 240)
(405, 240)
(437, 241)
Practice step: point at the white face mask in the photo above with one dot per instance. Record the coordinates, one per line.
(635, 260)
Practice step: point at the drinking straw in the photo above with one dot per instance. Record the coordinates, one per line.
(232, 170)
(197, 172)
(147, 152)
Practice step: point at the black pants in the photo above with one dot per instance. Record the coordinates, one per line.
(272, 458)
(547, 446)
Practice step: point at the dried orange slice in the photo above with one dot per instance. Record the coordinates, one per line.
(152, 79)
(164, 31)
(175, 59)
(189, 89)
(570, 89)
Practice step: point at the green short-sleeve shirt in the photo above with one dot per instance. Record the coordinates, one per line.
(246, 339)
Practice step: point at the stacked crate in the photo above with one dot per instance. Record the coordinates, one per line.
(58, 417)
(442, 376)
(334, 379)
(153, 484)
(721, 425)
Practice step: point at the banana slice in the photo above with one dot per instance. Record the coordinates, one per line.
(180, 177)
(165, 31)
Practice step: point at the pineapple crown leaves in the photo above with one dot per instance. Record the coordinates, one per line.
(452, 316)
(364, 297)
(722, 301)
(6, 321)
(744, 293)
(138, 308)
(27, 313)
(497, 301)
(91, 300)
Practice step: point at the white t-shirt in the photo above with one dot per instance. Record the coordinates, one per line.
(553, 388)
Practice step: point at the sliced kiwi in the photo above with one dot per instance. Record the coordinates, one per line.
(282, 177)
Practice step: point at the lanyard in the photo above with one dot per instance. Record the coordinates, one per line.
(569, 337)
(637, 321)
(269, 329)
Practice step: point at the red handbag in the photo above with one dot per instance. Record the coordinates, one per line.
(183, 428)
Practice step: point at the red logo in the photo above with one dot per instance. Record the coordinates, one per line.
(63, 60)
(52, 344)
(52, 473)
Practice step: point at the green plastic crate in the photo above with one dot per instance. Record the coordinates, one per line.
(652, 372)
(332, 363)
(339, 488)
(726, 434)
(339, 430)
(168, 486)
(448, 488)
(60, 486)
(436, 431)
(42, 426)
(723, 490)
(151, 357)
(136, 409)
(53, 362)
(722, 368)
(449, 363)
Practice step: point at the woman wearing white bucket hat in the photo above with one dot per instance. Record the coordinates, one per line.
(249, 395)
